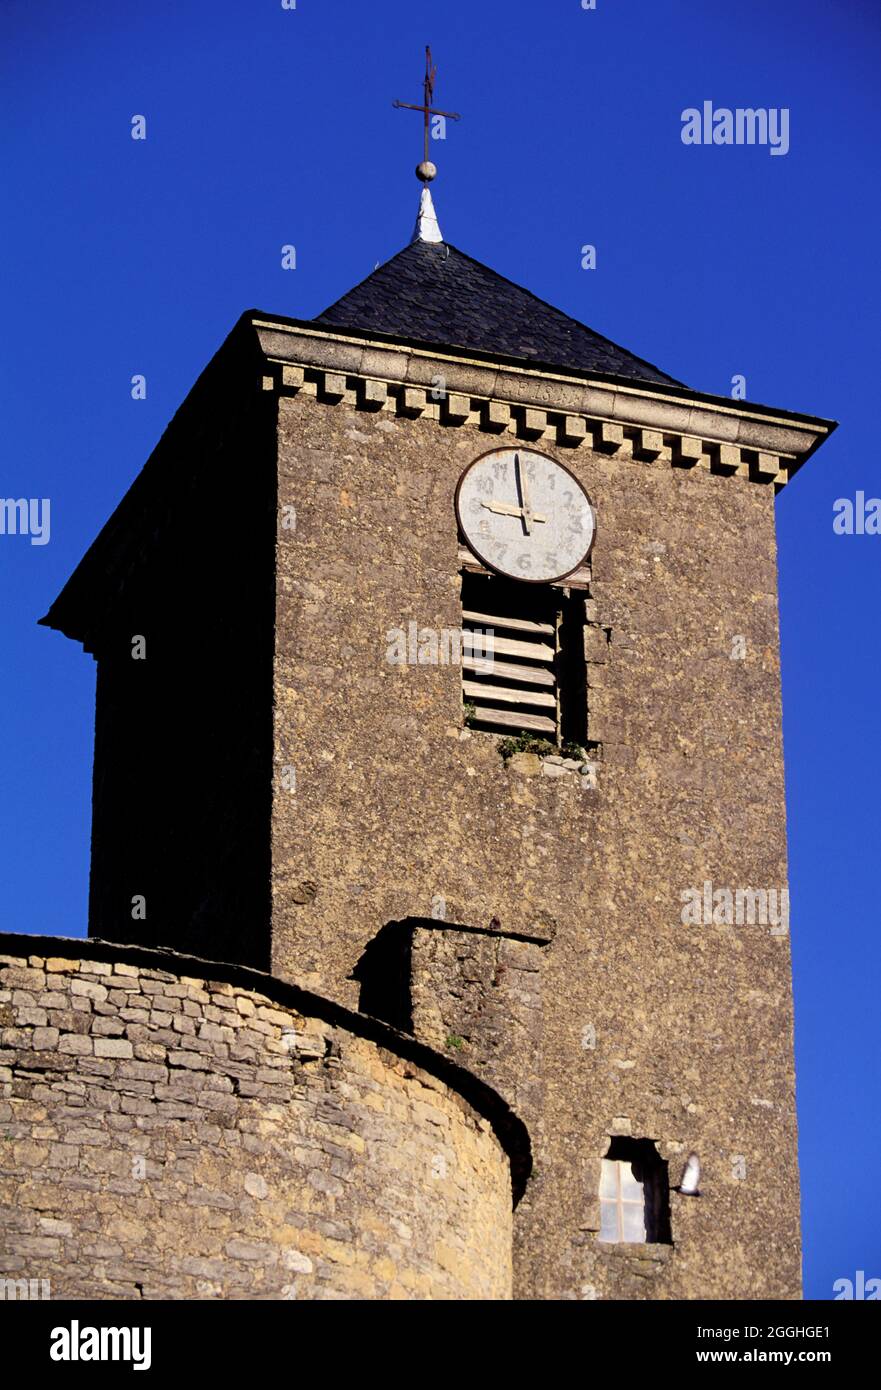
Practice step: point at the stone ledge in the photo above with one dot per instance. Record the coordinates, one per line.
(497, 417)
(628, 420)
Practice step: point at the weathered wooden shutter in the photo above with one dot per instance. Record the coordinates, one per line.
(513, 685)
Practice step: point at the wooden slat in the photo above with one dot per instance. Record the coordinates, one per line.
(514, 719)
(492, 620)
(510, 670)
(506, 646)
(557, 621)
(508, 695)
(470, 561)
(578, 579)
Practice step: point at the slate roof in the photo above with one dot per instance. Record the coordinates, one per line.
(435, 294)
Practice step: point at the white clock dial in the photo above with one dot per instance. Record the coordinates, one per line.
(525, 515)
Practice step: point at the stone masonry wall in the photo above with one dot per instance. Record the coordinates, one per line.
(166, 1135)
(681, 1034)
(478, 995)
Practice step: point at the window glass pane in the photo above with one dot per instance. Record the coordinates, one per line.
(633, 1221)
(608, 1178)
(608, 1221)
(631, 1190)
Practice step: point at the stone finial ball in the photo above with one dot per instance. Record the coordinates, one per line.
(426, 171)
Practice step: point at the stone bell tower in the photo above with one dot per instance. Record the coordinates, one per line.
(560, 859)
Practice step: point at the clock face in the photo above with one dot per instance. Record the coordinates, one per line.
(525, 515)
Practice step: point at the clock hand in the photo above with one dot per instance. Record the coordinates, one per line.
(526, 510)
(506, 509)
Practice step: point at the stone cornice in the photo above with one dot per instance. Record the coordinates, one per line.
(626, 419)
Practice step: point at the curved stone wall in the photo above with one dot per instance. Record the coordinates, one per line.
(164, 1134)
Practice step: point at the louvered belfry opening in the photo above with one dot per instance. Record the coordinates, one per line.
(528, 678)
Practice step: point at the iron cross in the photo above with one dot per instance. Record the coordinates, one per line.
(428, 92)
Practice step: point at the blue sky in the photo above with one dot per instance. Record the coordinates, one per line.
(267, 126)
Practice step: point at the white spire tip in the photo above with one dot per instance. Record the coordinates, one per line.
(426, 228)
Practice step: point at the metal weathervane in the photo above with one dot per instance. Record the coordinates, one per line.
(426, 171)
